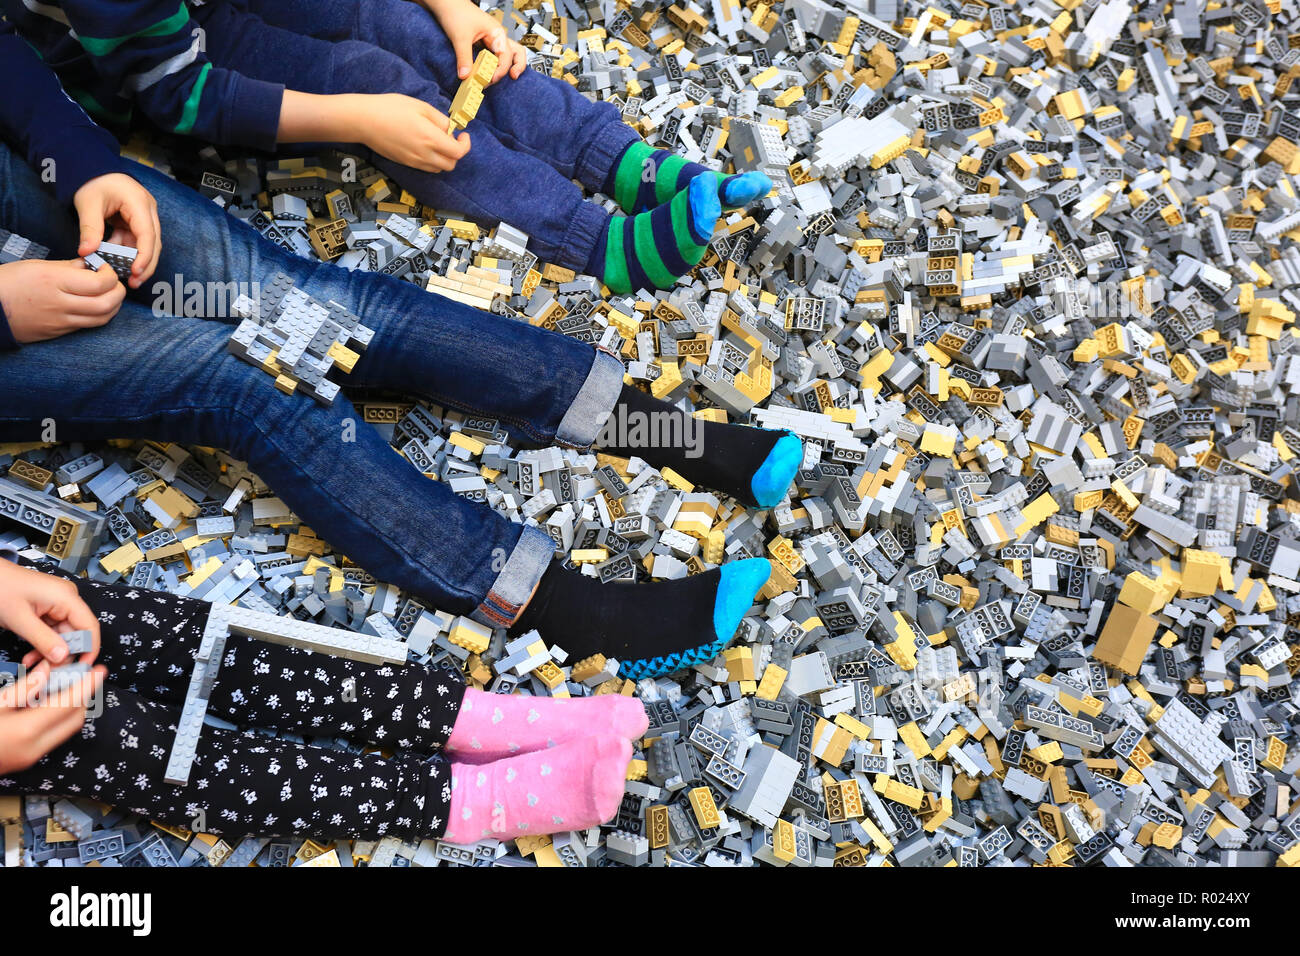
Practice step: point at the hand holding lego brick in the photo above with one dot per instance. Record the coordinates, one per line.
(44, 300)
(34, 722)
(465, 25)
(120, 203)
(412, 132)
(39, 607)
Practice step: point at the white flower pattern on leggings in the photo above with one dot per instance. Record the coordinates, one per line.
(245, 781)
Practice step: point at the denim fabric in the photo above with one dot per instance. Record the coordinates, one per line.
(171, 378)
(531, 136)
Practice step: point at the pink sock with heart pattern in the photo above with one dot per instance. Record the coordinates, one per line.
(571, 786)
(498, 725)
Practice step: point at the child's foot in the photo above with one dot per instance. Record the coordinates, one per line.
(576, 785)
(755, 465)
(651, 629)
(645, 177)
(490, 726)
(651, 250)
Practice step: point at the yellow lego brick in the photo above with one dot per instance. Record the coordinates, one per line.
(676, 480)
(769, 688)
(1146, 594)
(1201, 572)
(854, 726)
(706, 811)
(914, 739)
(471, 635)
(468, 442)
(122, 559)
(588, 667)
(549, 674)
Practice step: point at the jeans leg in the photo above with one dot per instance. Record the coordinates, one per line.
(541, 385)
(172, 379)
(484, 185)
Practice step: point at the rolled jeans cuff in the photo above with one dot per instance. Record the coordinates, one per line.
(593, 403)
(517, 580)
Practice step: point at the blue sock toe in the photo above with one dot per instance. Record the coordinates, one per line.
(742, 190)
(777, 471)
(740, 582)
(705, 206)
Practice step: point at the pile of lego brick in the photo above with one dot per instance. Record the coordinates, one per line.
(1025, 288)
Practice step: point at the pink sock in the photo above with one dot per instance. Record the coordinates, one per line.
(498, 725)
(573, 786)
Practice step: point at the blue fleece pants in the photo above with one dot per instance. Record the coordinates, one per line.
(531, 139)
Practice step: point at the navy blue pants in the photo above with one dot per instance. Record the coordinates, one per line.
(531, 138)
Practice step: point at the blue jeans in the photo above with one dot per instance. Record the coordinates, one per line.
(172, 379)
(532, 136)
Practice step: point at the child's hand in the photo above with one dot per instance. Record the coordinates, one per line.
(43, 300)
(121, 202)
(39, 607)
(410, 132)
(28, 729)
(465, 24)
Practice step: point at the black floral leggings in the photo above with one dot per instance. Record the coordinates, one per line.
(243, 783)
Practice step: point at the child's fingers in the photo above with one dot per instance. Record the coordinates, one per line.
(464, 47)
(24, 622)
(93, 310)
(141, 216)
(90, 213)
(85, 282)
(21, 691)
(520, 60)
(499, 45)
(74, 614)
(47, 727)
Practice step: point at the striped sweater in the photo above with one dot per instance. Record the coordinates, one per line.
(115, 54)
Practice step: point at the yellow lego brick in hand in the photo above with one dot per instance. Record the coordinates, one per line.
(464, 106)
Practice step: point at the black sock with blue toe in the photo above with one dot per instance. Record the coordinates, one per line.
(720, 456)
(650, 628)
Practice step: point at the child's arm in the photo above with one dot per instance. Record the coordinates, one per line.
(38, 607)
(80, 162)
(155, 52)
(152, 48)
(404, 129)
(465, 24)
(42, 299)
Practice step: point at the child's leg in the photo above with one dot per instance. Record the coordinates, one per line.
(148, 640)
(545, 387)
(549, 119)
(240, 784)
(174, 380)
(492, 183)
(535, 114)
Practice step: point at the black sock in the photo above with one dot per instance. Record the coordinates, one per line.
(723, 457)
(650, 629)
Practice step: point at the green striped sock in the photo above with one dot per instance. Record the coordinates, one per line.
(651, 250)
(645, 177)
